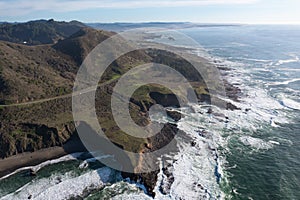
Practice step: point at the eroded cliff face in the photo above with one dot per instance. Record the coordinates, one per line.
(32, 137)
(165, 99)
(157, 142)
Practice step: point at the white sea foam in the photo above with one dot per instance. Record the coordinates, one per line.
(262, 107)
(85, 163)
(62, 186)
(195, 167)
(289, 103)
(274, 142)
(239, 44)
(197, 164)
(292, 60)
(132, 196)
(285, 82)
(36, 168)
(279, 140)
(258, 110)
(123, 190)
(256, 60)
(288, 69)
(256, 143)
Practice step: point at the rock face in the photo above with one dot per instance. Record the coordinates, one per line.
(176, 116)
(232, 91)
(32, 137)
(167, 181)
(165, 99)
(157, 142)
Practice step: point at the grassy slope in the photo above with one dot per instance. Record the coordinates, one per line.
(34, 72)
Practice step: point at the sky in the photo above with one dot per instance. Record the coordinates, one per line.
(200, 11)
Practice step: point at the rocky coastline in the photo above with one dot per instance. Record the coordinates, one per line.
(31, 133)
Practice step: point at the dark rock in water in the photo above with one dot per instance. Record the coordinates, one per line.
(219, 115)
(204, 98)
(199, 185)
(167, 181)
(211, 148)
(76, 198)
(209, 111)
(147, 179)
(58, 179)
(192, 110)
(202, 133)
(176, 116)
(164, 137)
(157, 142)
(230, 106)
(224, 68)
(227, 119)
(32, 173)
(193, 143)
(232, 91)
(171, 38)
(217, 174)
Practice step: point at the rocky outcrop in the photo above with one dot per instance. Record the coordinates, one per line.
(165, 99)
(157, 142)
(167, 181)
(176, 116)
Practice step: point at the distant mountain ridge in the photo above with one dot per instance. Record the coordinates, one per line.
(39, 31)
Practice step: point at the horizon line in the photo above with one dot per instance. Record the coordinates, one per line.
(145, 22)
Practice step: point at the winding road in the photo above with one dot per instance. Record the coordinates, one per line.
(89, 89)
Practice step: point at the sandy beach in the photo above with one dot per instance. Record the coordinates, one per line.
(10, 164)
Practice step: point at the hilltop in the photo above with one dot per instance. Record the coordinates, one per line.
(38, 32)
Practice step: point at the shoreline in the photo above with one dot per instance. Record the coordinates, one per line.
(28, 159)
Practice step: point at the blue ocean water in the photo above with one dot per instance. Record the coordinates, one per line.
(266, 67)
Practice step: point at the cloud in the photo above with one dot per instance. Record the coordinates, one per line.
(23, 7)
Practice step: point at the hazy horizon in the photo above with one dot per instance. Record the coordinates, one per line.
(196, 11)
(145, 22)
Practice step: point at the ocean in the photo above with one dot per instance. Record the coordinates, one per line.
(252, 155)
(262, 161)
